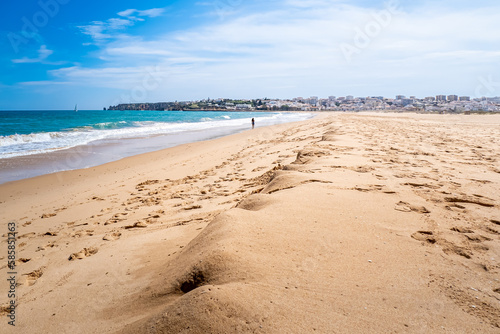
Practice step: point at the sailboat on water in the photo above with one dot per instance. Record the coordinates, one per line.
(76, 107)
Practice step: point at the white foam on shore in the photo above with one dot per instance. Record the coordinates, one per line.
(37, 143)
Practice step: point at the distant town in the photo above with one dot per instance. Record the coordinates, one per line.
(431, 104)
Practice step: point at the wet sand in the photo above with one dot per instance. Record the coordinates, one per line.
(345, 223)
(108, 150)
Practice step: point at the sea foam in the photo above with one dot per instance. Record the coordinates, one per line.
(43, 142)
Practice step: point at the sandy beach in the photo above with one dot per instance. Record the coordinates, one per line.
(346, 223)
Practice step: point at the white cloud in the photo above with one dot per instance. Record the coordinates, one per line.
(95, 30)
(137, 50)
(127, 12)
(117, 24)
(43, 54)
(298, 45)
(101, 31)
(153, 12)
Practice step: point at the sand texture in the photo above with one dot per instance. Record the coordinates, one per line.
(347, 223)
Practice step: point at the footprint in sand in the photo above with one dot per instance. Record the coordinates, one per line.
(495, 221)
(470, 200)
(455, 206)
(48, 245)
(422, 185)
(478, 239)
(374, 187)
(492, 230)
(27, 235)
(82, 233)
(406, 207)
(193, 207)
(426, 236)
(112, 236)
(83, 253)
(461, 230)
(136, 225)
(455, 249)
(362, 169)
(147, 183)
(33, 276)
(471, 236)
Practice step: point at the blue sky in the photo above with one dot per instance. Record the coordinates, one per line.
(56, 53)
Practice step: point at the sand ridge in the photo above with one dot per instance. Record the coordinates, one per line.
(344, 223)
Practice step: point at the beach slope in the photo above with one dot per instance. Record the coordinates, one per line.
(345, 223)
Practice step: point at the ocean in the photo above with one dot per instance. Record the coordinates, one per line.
(27, 138)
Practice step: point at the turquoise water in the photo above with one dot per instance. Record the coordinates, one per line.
(36, 132)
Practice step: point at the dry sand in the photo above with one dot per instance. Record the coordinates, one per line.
(341, 224)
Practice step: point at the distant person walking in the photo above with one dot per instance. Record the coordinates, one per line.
(253, 123)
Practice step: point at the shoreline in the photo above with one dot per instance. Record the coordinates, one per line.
(103, 151)
(123, 163)
(341, 223)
